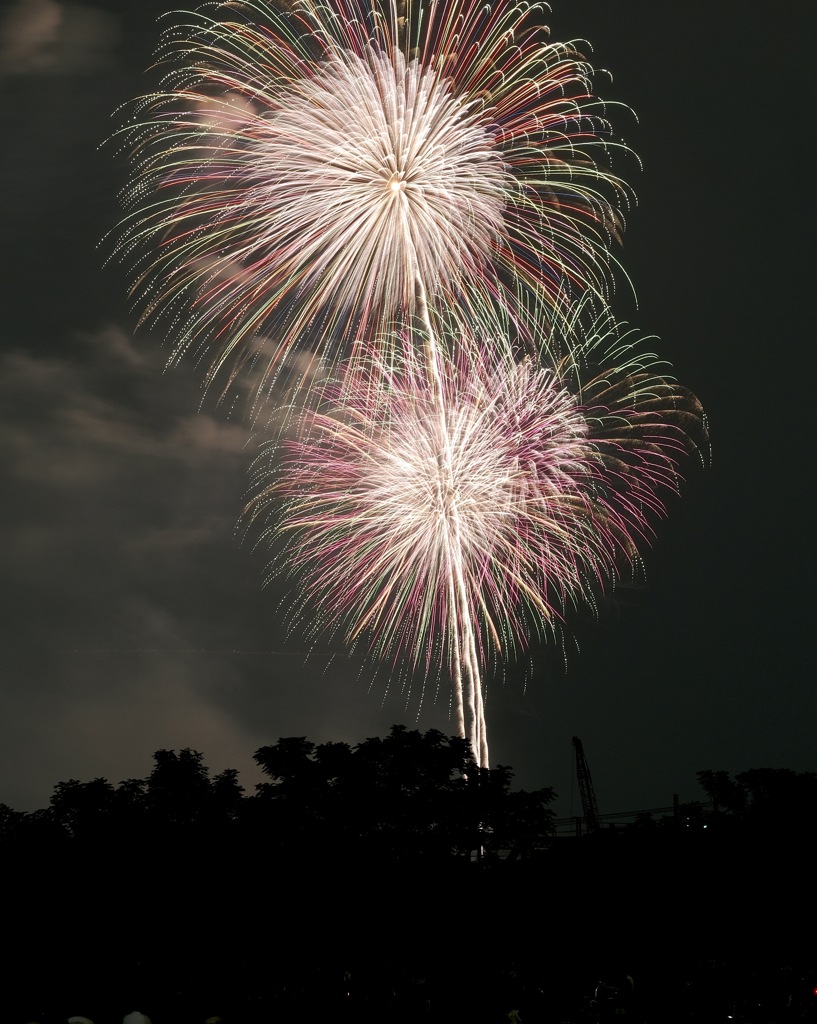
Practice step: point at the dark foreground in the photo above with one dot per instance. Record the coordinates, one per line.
(677, 928)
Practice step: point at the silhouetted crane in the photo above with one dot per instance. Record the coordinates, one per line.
(589, 806)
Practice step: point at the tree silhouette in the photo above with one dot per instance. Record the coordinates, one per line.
(768, 800)
(410, 796)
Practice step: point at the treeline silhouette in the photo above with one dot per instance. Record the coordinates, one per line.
(773, 801)
(396, 881)
(407, 798)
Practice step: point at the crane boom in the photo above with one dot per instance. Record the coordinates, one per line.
(589, 806)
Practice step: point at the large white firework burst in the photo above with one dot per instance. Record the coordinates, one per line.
(396, 176)
(309, 170)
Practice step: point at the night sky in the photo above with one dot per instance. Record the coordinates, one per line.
(133, 616)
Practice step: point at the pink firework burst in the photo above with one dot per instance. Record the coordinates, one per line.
(442, 537)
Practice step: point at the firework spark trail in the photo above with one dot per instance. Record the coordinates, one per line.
(262, 174)
(460, 621)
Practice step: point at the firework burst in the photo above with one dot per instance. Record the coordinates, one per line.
(306, 171)
(310, 176)
(448, 539)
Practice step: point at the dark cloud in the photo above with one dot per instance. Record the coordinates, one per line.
(115, 499)
(47, 37)
(133, 618)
